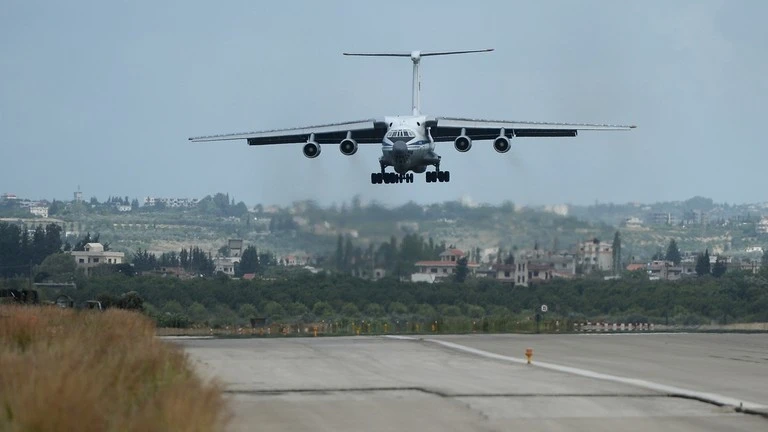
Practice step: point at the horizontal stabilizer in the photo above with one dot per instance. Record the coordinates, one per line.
(417, 53)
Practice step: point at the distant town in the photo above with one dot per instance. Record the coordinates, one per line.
(666, 241)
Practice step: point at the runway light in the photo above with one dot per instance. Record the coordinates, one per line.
(529, 354)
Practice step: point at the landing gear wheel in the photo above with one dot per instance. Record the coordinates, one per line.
(447, 175)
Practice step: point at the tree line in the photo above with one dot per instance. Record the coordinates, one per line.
(303, 297)
(193, 260)
(22, 247)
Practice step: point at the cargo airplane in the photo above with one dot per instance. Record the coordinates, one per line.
(408, 142)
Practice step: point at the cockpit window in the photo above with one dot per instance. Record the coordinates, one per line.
(401, 133)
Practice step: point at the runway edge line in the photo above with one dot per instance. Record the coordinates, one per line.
(712, 398)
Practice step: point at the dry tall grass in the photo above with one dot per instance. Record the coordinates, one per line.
(65, 370)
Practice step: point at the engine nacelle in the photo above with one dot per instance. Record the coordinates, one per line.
(462, 143)
(348, 146)
(311, 149)
(501, 144)
(420, 169)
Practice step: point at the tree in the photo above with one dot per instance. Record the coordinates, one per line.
(719, 268)
(131, 301)
(58, 267)
(673, 253)
(462, 270)
(340, 253)
(249, 262)
(197, 312)
(349, 310)
(247, 311)
(322, 309)
(616, 253)
(764, 259)
(702, 264)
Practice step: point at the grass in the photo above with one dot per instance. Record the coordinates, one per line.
(63, 370)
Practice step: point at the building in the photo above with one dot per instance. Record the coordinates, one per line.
(41, 211)
(595, 255)
(94, 255)
(235, 247)
(633, 223)
(661, 218)
(762, 226)
(696, 217)
(664, 270)
(446, 266)
(225, 265)
(171, 202)
(123, 208)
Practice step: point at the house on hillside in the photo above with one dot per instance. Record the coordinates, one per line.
(94, 255)
(446, 266)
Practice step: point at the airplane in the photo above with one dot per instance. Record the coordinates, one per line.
(408, 141)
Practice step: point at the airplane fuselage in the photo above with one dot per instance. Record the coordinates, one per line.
(407, 145)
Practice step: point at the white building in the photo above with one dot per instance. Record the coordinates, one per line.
(446, 267)
(633, 222)
(225, 265)
(171, 202)
(123, 208)
(762, 226)
(39, 211)
(95, 255)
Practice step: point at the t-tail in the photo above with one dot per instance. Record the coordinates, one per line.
(416, 58)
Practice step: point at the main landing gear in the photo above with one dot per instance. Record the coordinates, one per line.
(438, 176)
(391, 178)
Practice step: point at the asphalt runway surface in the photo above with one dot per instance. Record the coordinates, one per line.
(637, 382)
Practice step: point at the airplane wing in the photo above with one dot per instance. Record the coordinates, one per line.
(363, 131)
(448, 128)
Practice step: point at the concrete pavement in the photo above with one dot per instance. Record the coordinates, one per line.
(381, 384)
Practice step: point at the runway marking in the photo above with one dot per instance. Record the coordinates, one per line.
(183, 337)
(443, 394)
(712, 398)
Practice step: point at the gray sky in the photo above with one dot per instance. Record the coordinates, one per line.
(105, 94)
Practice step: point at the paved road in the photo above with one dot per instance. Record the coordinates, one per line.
(382, 384)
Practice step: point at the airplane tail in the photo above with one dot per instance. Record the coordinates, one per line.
(416, 58)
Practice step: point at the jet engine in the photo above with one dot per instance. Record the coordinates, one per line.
(311, 149)
(420, 169)
(348, 146)
(501, 144)
(462, 143)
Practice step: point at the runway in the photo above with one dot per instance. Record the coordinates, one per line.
(385, 384)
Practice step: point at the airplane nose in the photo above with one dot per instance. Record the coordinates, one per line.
(400, 147)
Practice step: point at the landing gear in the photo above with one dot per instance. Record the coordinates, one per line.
(391, 178)
(438, 176)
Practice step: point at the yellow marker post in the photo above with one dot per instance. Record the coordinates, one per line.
(529, 354)
(315, 331)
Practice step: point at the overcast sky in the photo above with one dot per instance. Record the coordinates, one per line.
(105, 94)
